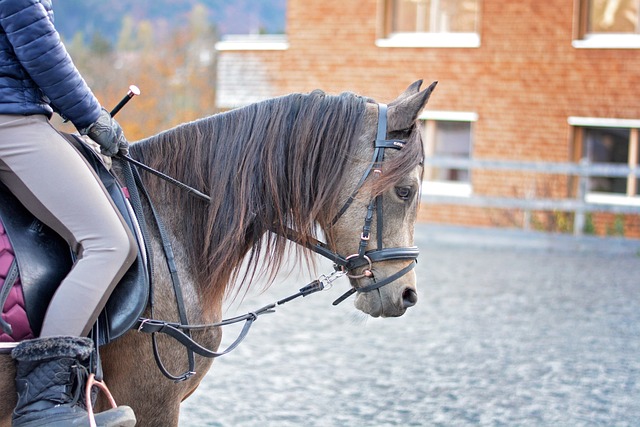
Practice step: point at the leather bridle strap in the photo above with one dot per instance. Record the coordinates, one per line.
(378, 155)
(134, 183)
(376, 285)
(376, 255)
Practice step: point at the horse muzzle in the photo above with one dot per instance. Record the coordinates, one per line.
(360, 268)
(391, 299)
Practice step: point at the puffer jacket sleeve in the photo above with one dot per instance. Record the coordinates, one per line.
(38, 47)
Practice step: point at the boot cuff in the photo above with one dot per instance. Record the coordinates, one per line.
(39, 349)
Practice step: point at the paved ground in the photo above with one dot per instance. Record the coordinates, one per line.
(511, 329)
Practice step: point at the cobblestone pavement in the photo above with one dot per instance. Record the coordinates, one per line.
(504, 334)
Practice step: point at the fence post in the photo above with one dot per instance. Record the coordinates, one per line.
(529, 194)
(579, 218)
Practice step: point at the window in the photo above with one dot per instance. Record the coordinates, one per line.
(607, 24)
(609, 141)
(430, 23)
(447, 137)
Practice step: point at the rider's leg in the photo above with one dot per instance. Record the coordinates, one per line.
(51, 179)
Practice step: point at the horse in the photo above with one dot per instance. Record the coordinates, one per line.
(288, 168)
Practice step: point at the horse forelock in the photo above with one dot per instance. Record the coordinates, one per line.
(403, 162)
(268, 166)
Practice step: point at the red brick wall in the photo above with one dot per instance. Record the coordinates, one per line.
(524, 81)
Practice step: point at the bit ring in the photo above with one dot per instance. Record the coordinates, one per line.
(365, 273)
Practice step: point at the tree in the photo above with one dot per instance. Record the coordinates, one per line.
(175, 71)
(100, 45)
(126, 37)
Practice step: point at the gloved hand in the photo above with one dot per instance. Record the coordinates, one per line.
(108, 134)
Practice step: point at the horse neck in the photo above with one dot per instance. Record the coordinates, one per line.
(264, 167)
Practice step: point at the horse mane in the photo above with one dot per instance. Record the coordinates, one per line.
(268, 166)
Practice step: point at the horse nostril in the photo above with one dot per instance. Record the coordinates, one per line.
(409, 298)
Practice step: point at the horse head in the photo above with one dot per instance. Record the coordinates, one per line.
(375, 223)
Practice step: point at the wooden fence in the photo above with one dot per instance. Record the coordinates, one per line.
(579, 205)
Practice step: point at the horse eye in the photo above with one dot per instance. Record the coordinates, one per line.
(403, 192)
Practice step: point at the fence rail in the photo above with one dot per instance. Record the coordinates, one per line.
(579, 205)
(581, 169)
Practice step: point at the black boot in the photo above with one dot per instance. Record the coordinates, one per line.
(50, 381)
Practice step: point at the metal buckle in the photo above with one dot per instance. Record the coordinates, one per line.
(327, 280)
(365, 273)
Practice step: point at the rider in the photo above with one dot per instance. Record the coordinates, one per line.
(51, 179)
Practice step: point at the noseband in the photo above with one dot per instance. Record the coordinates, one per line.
(364, 258)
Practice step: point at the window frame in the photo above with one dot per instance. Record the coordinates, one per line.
(582, 39)
(387, 38)
(632, 196)
(431, 187)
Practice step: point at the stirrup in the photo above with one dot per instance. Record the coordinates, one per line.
(92, 381)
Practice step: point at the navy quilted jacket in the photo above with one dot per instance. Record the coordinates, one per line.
(37, 75)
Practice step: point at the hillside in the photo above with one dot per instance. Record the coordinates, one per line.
(104, 18)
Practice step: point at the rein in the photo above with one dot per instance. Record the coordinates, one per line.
(181, 331)
(342, 265)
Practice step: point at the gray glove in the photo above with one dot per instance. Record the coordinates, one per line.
(108, 134)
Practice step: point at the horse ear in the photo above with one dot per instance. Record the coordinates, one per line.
(411, 90)
(404, 111)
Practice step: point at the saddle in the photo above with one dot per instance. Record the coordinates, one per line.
(41, 259)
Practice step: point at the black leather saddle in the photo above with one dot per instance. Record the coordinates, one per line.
(44, 259)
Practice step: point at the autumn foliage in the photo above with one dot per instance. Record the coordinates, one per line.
(174, 69)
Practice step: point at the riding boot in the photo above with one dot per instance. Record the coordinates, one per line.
(50, 380)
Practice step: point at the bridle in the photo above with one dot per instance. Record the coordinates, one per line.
(363, 258)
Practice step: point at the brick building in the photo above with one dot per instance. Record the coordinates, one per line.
(523, 85)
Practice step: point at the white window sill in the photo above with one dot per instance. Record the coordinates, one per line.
(612, 199)
(441, 40)
(603, 122)
(253, 42)
(450, 116)
(446, 188)
(608, 41)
